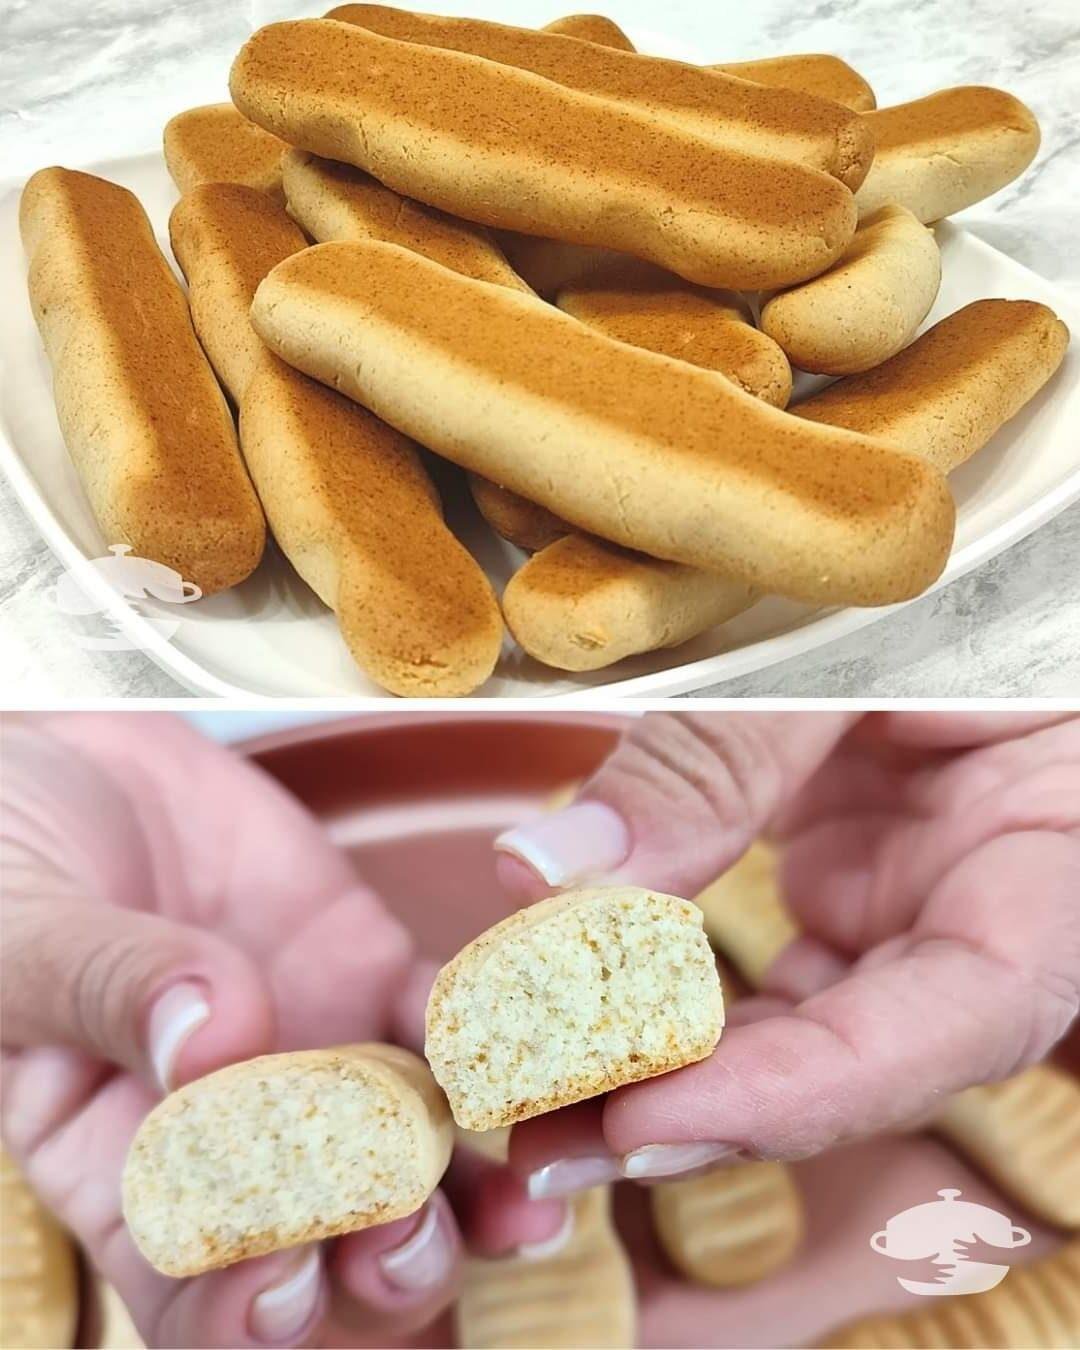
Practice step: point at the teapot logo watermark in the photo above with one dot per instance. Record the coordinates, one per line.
(941, 1232)
(134, 580)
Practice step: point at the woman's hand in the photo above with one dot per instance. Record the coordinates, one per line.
(933, 862)
(168, 909)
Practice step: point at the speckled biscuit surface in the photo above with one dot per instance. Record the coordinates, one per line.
(142, 415)
(226, 237)
(942, 153)
(582, 604)
(337, 201)
(733, 1226)
(681, 463)
(945, 395)
(591, 28)
(815, 73)
(774, 122)
(347, 497)
(1025, 1134)
(569, 998)
(555, 162)
(1036, 1305)
(636, 303)
(216, 144)
(580, 1298)
(868, 305)
(39, 1277)
(283, 1150)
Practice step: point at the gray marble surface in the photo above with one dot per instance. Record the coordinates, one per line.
(87, 79)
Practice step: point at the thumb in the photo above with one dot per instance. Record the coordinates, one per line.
(677, 802)
(79, 964)
(167, 1002)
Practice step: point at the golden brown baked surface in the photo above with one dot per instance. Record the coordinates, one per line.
(338, 201)
(354, 510)
(347, 497)
(580, 1298)
(419, 119)
(582, 604)
(868, 305)
(1025, 1134)
(141, 412)
(39, 1275)
(731, 485)
(636, 303)
(226, 238)
(940, 154)
(731, 1227)
(1037, 1305)
(735, 114)
(216, 144)
(815, 73)
(591, 28)
(945, 395)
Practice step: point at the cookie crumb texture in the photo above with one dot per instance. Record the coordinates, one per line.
(273, 1153)
(569, 998)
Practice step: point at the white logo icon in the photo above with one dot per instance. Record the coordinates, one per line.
(133, 579)
(941, 1231)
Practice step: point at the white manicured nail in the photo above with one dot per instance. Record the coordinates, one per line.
(539, 1251)
(582, 842)
(566, 1176)
(670, 1160)
(424, 1260)
(177, 1013)
(280, 1313)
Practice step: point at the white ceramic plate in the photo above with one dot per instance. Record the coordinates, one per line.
(272, 638)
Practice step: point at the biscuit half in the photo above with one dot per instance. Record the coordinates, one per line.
(284, 1150)
(569, 998)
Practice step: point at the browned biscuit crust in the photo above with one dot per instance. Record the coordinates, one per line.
(760, 120)
(140, 410)
(511, 388)
(945, 395)
(216, 144)
(419, 119)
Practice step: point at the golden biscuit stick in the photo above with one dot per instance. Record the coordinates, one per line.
(1025, 1135)
(579, 1298)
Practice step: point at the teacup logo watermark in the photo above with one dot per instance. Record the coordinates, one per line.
(134, 580)
(940, 1232)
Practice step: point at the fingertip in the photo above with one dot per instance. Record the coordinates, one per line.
(395, 1268)
(519, 880)
(273, 1300)
(502, 1219)
(207, 1018)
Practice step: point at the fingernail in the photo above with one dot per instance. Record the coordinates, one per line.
(425, 1259)
(670, 1160)
(566, 1176)
(539, 1251)
(176, 1014)
(281, 1312)
(583, 842)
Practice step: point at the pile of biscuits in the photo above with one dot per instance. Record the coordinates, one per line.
(580, 273)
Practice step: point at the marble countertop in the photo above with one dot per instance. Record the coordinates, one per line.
(85, 79)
